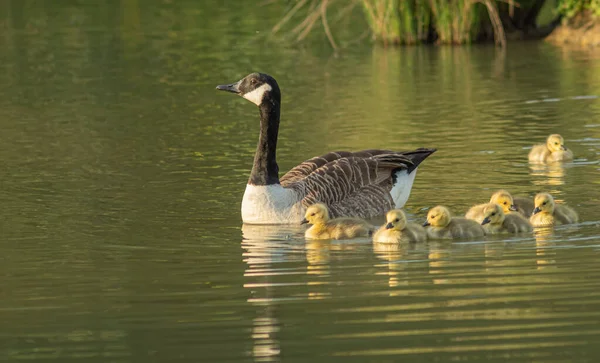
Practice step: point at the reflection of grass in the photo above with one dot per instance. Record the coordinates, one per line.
(407, 21)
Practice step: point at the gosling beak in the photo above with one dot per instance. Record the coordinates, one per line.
(485, 221)
(426, 224)
(304, 221)
(563, 147)
(233, 88)
(536, 210)
(512, 208)
(389, 226)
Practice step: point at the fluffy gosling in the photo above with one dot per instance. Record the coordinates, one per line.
(553, 150)
(441, 224)
(399, 230)
(510, 204)
(505, 200)
(337, 228)
(495, 221)
(547, 213)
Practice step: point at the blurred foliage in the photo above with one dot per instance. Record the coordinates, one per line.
(572, 8)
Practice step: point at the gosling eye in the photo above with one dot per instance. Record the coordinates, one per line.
(505, 203)
(494, 213)
(313, 214)
(544, 203)
(396, 220)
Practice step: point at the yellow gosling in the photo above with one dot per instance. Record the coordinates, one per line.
(495, 221)
(505, 200)
(553, 150)
(511, 204)
(548, 213)
(397, 229)
(441, 224)
(339, 228)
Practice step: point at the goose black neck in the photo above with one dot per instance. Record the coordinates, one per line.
(265, 170)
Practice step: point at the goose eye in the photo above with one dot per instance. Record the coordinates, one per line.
(504, 203)
(494, 213)
(432, 217)
(396, 220)
(313, 214)
(544, 203)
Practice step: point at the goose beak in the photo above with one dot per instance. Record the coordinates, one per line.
(426, 224)
(485, 221)
(389, 226)
(233, 87)
(304, 221)
(536, 210)
(563, 147)
(512, 208)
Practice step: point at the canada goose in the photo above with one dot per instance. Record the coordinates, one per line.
(358, 184)
(441, 224)
(397, 229)
(548, 213)
(495, 221)
(338, 228)
(553, 150)
(508, 203)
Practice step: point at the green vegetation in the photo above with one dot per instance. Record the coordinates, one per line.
(572, 8)
(408, 22)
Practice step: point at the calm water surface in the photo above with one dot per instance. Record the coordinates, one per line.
(123, 172)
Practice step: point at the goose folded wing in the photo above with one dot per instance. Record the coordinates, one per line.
(352, 184)
(304, 169)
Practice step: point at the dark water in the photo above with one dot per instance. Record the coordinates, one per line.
(123, 172)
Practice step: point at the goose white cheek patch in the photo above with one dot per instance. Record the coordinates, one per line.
(257, 95)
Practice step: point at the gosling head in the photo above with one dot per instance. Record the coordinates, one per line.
(493, 214)
(438, 216)
(257, 88)
(316, 213)
(505, 200)
(396, 220)
(555, 142)
(543, 203)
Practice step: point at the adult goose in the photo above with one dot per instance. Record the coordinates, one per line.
(360, 184)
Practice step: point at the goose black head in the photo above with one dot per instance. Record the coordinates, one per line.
(257, 88)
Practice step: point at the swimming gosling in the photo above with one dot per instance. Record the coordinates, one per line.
(441, 224)
(547, 213)
(338, 228)
(505, 200)
(553, 150)
(397, 229)
(495, 221)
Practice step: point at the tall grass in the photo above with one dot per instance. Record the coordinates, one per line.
(571, 8)
(408, 21)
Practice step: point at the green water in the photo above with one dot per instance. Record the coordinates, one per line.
(123, 172)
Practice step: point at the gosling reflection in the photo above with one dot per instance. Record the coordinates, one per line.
(543, 247)
(551, 174)
(395, 254)
(317, 256)
(438, 258)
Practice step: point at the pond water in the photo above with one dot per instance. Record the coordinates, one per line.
(123, 173)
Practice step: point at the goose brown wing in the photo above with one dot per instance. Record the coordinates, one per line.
(304, 169)
(354, 185)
